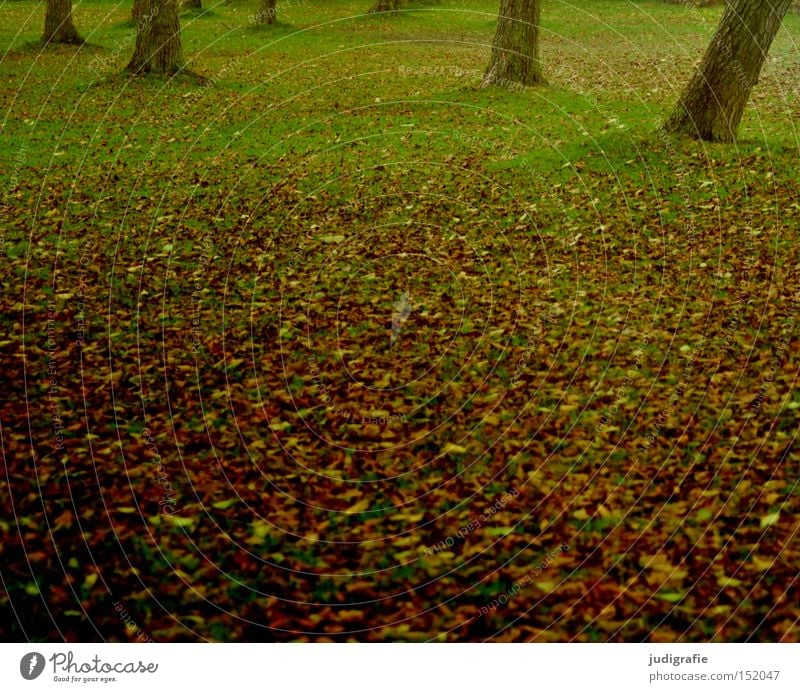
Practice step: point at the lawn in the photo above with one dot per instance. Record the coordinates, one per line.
(320, 342)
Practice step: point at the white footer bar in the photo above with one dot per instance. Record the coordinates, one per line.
(400, 667)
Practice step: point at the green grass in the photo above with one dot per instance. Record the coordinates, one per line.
(613, 68)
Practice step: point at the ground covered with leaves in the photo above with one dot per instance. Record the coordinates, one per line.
(329, 345)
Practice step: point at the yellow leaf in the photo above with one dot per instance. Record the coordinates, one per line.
(359, 507)
(724, 581)
(671, 596)
(770, 519)
(761, 564)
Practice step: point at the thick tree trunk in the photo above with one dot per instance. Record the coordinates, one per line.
(158, 38)
(712, 104)
(266, 12)
(515, 52)
(193, 4)
(385, 5)
(58, 26)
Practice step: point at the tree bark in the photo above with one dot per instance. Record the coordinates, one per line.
(515, 51)
(267, 13)
(713, 102)
(385, 5)
(58, 26)
(136, 12)
(158, 38)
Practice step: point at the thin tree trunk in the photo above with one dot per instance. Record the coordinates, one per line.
(58, 26)
(158, 38)
(712, 104)
(385, 5)
(266, 12)
(515, 51)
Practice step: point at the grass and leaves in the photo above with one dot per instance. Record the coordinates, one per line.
(211, 416)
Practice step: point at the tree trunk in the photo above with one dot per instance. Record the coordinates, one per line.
(515, 51)
(385, 5)
(58, 26)
(136, 13)
(712, 104)
(193, 4)
(158, 38)
(266, 12)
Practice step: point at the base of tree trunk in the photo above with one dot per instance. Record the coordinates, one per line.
(710, 124)
(267, 13)
(58, 25)
(501, 74)
(136, 67)
(385, 6)
(69, 38)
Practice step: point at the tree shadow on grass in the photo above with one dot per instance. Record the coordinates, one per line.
(125, 24)
(120, 78)
(39, 46)
(199, 13)
(277, 27)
